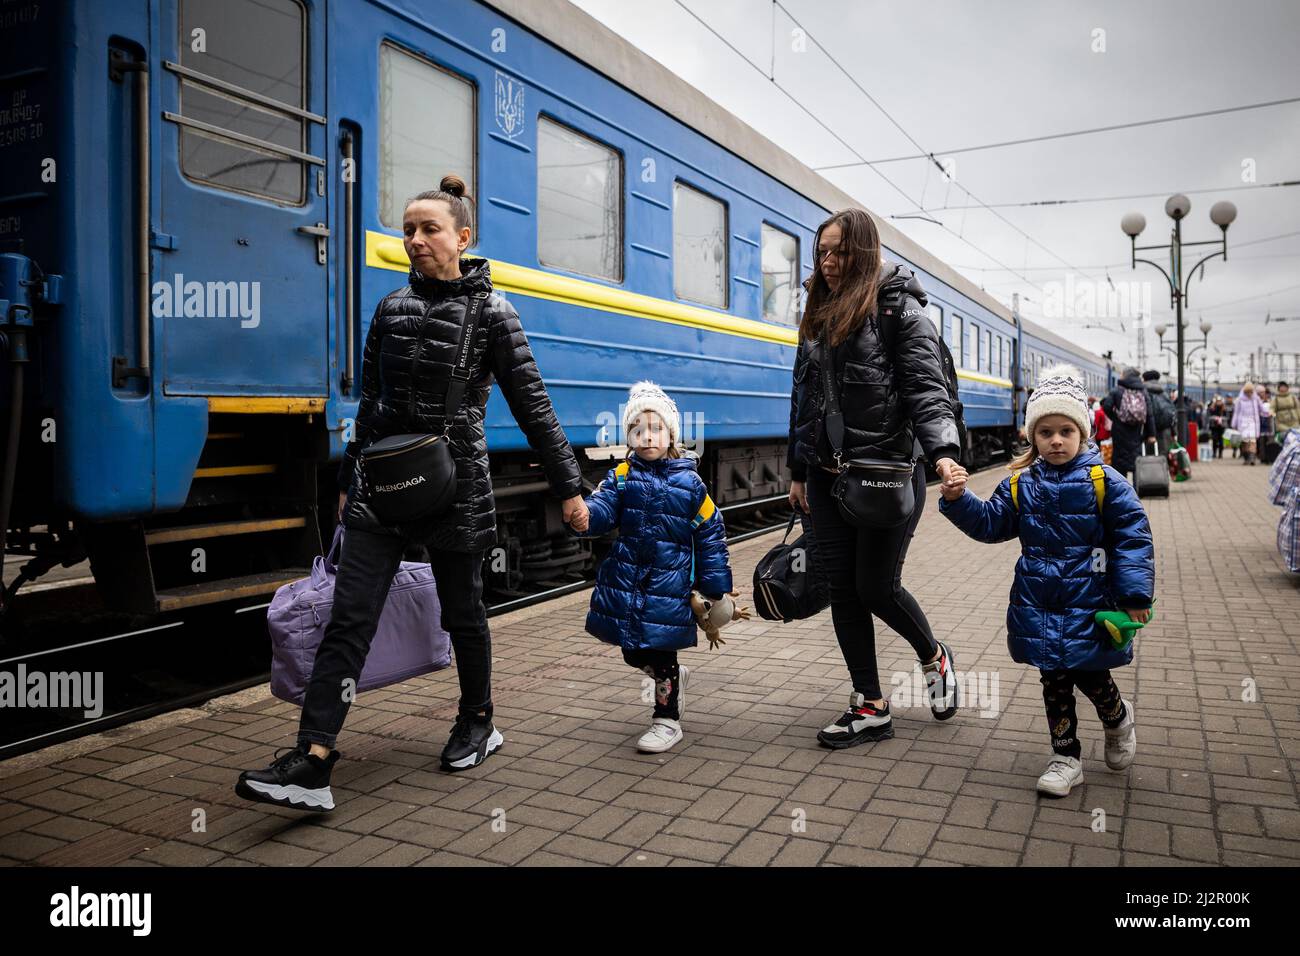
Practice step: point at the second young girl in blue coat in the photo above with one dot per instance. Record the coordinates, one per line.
(1085, 547)
(671, 540)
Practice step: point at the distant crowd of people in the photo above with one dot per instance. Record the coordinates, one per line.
(1138, 411)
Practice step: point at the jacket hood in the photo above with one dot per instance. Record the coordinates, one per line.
(896, 277)
(475, 276)
(1132, 381)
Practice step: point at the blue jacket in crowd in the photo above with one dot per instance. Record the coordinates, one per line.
(1060, 581)
(643, 589)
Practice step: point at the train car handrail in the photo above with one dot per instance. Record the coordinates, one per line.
(253, 141)
(228, 87)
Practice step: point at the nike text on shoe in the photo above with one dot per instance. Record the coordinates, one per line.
(1122, 741)
(296, 780)
(664, 732)
(473, 740)
(941, 684)
(1061, 775)
(861, 723)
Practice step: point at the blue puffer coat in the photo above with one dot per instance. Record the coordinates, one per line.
(1059, 583)
(643, 589)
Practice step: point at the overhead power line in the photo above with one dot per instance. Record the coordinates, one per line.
(1078, 132)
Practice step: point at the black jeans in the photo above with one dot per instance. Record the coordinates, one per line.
(1058, 699)
(662, 667)
(366, 568)
(1216, 442)
(865, 570)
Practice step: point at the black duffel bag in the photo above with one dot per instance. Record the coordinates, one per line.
(788, 582)
(413, 476)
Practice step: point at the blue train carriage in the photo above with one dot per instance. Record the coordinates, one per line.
(1042, 349)
(200, 359)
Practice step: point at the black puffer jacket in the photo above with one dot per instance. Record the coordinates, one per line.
(408, 357)
(888, 401)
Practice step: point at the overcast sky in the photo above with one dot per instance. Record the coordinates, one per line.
(948, 75)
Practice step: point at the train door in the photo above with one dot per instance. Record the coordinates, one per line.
(239, 288)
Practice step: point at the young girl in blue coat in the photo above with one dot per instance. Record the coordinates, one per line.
(671, 539)
(1085, 547)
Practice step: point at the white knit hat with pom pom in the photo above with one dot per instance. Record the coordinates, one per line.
(649, 397)
(1060, 391)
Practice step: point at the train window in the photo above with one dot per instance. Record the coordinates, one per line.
(257, 46)
(780, 276)
(936, 317)
(970, 352)
(426, 129)
(1005, 371)
(579, 202)
(955, 339)
(986, 355)
(700, 267)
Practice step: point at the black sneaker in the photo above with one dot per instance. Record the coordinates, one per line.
(861, 723)
(297, 780)
(473, 740)
(941, 684)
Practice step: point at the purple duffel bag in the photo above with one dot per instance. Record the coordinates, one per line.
(409, 641)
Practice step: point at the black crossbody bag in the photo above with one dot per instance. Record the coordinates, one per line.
(870, 492)
(413, 476)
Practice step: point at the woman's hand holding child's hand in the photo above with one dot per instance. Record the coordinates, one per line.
(1141, 616)
(576, 514)
(954, 485)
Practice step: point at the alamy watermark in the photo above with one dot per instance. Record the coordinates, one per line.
(208, 300)
(73, 690)
(975, 689)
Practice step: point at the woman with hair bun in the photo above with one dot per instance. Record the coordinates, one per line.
(409, 354)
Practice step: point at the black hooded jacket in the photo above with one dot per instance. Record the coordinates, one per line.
(891, 395)
(406, 365)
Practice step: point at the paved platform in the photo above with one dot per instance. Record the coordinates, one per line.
(1215, 780)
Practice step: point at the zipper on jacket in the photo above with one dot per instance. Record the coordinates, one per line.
(415, 361)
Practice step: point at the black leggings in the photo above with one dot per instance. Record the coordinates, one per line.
(864, 568)
(1058, 697)
(660, 666)
(1216, 442)
(366, 568)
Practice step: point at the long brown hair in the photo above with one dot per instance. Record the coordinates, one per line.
(844, 311)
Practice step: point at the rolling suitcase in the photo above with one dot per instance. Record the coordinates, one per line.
(1151, 476)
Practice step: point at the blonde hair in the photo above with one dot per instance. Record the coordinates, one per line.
(1026, 458)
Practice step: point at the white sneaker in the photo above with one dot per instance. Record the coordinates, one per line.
(1122, 741)
(1061, 775)
(664, 732)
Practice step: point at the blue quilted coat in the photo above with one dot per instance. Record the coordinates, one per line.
(1060, 582)
(643, 589)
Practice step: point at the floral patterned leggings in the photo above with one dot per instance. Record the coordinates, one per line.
(1058, 695)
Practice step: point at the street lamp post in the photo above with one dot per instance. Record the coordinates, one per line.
(1177, 207)
(1203, 348)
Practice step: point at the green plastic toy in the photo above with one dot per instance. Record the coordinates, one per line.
(1120, 628)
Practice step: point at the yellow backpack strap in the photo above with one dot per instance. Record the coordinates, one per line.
(707, 508)
(620, 474)
(1015, 489)
(1099, 485)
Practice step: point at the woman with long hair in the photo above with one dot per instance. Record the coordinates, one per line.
(894, 400)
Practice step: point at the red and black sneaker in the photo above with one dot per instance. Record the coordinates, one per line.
(861, 723)
(941, 684)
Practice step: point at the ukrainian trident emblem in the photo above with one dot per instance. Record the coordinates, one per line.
(510, 105)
